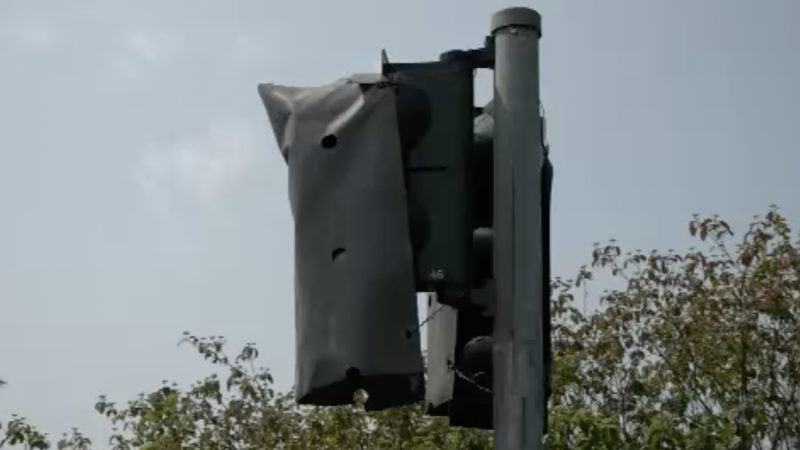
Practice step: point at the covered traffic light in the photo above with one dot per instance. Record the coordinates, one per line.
(391, 186)
(355, 295)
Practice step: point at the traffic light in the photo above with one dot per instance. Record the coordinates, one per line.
(547, 332)
(448, 170)
(460, 343)
(460, 365)
(355, 296)
(434, 113)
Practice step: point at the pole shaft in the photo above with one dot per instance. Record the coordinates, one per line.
(519, 369)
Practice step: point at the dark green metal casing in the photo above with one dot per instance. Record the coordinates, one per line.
(435, 104)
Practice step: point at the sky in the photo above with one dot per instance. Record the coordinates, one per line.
(143, 193)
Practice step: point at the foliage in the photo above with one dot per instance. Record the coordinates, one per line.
(240, 410)
(700, 350)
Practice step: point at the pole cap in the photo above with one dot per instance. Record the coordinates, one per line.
(517, 17)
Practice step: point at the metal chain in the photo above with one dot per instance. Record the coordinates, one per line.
(469, 380)
(430, 317)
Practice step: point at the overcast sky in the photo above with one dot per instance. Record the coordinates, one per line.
(142, 193)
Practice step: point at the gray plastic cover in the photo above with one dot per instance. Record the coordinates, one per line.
(355, 302)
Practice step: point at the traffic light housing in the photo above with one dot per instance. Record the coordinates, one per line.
(434, 113)
(460, 365)
(448, 157)
(460, 343)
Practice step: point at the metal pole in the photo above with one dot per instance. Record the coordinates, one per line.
(519, 370)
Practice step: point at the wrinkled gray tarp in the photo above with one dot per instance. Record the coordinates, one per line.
(355, 305)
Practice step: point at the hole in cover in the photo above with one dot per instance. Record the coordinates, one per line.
(329, 142)
(338, 253)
